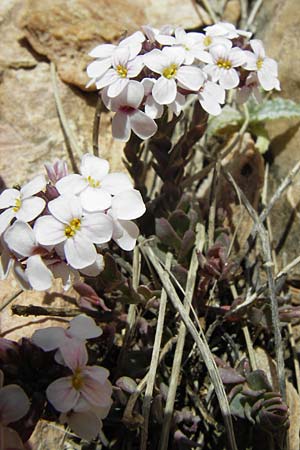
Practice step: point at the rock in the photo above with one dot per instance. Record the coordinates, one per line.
(65, 31)
(232, 11)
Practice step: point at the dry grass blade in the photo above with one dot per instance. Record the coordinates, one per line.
(200, 341)
(253, 13)
(96, 126)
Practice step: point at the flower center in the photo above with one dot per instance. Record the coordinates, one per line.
(224, 64)
(73, 226)
(127, 109)
(207, 41)
(259, 63)
(77, 380)
(122, 71)
(170, 72)
(18, 204)
(92, 182)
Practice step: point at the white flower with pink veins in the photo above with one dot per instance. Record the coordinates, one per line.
(123, 69)
(22, 204)
(266, 68)
(225, 61)
(76, 231)
(128, 115)
(168, 64)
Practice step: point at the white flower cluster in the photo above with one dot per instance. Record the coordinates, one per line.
(153, 68)
(53, 229)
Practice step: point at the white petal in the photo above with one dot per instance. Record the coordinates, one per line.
(85, 424)
(128, 205)
(190, 77)
(237, 57)
(49, 231)
(132, 95)
(209, 104)
(5, 219)
(117, 87)
(30, 208)
(49, 338)
(155, 61)
(94, 269)
(95, 199)
(93, 166)
(130, 234)
(153, 109)
(21, 277)
(135, 66)
(62, 395)
(250, 61)
(116, 182)
(97, 228)
(79, 251)
(39, 276)
(121, 127)
(164, 91)
(20, 238)
(202, 55)
(65, 208)
(107, 78)
(5, 264)
(164, 39)
(267, 82)
(14, 403)
(71, 184)
(142, 125)
(102, 51)
(271, 66)
(174, 55)
(229, 78)
(8, 198)
(84, 327)
(97, 68)
(258, 48)
(34, 186)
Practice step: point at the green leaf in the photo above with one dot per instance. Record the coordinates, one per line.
(276, 108)
(228, 117)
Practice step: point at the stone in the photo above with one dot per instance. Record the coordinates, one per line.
(232, 11)
(65, 32)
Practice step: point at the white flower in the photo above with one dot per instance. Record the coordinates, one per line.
(266, 68)
(128, 205)
(251, 86)
(152, 108)
(128, 115)
(77, 231)
(20, 238)
(225, 59)
(125, 232)
(105, 52)
(162, 35)
(123, 69)
(22, 204)
(95, 186)
(168, 63)
(210, 96)
(226, 30)
(192, 44)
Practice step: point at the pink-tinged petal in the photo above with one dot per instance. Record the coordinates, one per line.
(8, 198)
(93, 166)
(74, 353)
(130, 234)
(49, 231)
(128, 205)
(30, 208)
(34, 186)
(62, 395)
(85, 424)
(117, 87)
(99, 374)
(258, 48)
(97, 69)
(155, 61)
(102, 411)
(49, 338)
(229, 79)
(14, 404)
(190, 77)
(79, 251)
(102, 51)
(121, 127)
(95, 393)
(20, 238)
(107, 78)
(237, 57)
(153, 109)
(94, 269)
(65, 208)
(84, 327)
(142, 125)
(39, 276)
(95, 199)
(5, 219)
(116, 182)
(97, 228)
(250, 61)
(10, 439)
(164, 91)
(71, 184)
(132, 95)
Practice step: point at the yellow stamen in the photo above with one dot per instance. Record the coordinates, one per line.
(122, 71)
(170, 72)
(92, 182)
(17, 205)
(73, 226)
(77, 380)
(259, 63)
(207, 41)
(224, 64)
